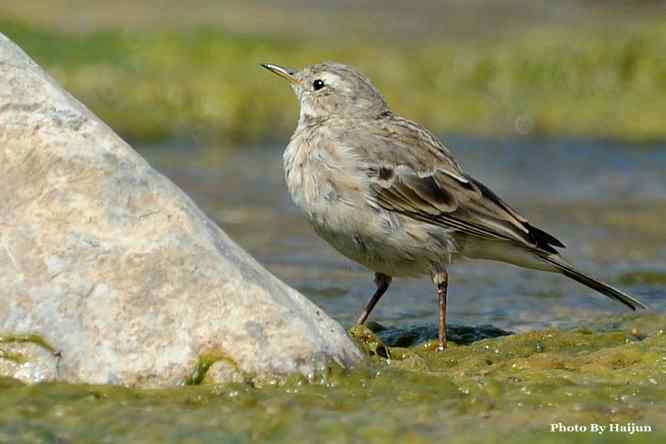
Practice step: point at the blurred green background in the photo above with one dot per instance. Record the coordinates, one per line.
(163, 69)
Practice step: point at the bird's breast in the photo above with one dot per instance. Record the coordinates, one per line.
(333, 195)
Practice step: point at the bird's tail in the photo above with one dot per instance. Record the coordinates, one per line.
(568, 270)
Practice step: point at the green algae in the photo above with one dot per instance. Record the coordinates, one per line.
(205, 362)
(368, 342)
(28, 338)
(16, 358)
(505, 388)
(18, 355)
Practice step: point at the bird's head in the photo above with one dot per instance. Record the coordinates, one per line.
(332, 90)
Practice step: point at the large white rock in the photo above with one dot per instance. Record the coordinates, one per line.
(113, 266)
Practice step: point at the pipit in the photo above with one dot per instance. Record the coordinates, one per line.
(386, 193)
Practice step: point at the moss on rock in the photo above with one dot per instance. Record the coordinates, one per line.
(27, 338)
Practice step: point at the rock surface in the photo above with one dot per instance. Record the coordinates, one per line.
(110, 264)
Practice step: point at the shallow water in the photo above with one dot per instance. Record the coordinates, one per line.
(605, 200)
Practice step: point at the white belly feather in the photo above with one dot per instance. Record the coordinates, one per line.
(334, 200)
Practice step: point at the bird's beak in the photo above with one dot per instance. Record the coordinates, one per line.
(286, 73)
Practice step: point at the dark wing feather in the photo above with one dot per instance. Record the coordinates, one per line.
(422, 181)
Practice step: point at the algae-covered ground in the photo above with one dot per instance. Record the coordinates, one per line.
(499, 389)
(204, 82)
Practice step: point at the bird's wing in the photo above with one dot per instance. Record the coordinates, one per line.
(413, 174)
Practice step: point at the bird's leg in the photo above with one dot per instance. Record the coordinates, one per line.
(441, 280)
(382, 281)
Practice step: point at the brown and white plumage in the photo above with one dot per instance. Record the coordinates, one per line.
(386, 192)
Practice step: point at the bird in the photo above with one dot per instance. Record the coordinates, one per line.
(387, 193)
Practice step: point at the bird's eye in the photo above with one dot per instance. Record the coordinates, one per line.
(318, 84)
